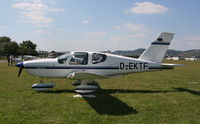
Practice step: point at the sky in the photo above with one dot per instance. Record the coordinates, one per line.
(99, 25)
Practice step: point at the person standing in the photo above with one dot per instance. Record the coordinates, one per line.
(8, 60)
(11, 60)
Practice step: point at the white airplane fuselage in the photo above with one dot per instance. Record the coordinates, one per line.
(113, 65)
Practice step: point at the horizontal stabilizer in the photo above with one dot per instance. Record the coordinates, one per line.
(173, 65)
(166, 66)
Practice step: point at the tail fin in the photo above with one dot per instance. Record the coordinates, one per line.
(156, 51)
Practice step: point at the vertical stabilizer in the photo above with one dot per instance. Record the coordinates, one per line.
(156, 51)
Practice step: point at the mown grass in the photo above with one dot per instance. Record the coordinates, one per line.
(169, 96)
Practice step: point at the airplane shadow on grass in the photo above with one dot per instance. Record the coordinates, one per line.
(188, 90)
(106, 104)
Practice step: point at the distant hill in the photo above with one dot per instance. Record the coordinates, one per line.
(133, 53)
(190, 53)
(171, 53)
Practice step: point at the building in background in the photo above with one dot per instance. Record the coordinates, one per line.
(172, 58)
(192, 59)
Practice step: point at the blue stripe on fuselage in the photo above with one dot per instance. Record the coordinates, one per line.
(160, 43)
(71, 67)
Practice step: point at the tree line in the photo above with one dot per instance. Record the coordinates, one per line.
(9, 47)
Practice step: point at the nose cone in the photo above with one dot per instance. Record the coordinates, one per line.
(20, 64)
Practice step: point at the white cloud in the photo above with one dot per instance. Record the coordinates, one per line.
(41, 32)
(135, 27)
(35, 12)
(187, 42)
(128, 38)
(85, 21)
(137, 31)
(36, 18)
(59, 29)
(2, 27)
(117, 27)
(193, 38)
(96, 33)
(117, 38)
(138, 35)
(36, 1)
(39, 1)
(147, 8)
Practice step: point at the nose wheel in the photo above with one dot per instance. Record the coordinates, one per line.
(41, 86)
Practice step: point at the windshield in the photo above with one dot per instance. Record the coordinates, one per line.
(63, 58)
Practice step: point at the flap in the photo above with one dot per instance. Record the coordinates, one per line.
(85, 75)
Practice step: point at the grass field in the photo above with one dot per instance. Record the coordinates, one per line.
(162, 97)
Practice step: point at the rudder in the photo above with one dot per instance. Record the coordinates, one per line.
(156, 51)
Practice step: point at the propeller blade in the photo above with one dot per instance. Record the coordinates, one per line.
(20, 71)
(21, 66)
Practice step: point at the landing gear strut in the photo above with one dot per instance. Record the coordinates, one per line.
(41, 81)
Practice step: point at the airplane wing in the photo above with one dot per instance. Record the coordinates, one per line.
(85, 75)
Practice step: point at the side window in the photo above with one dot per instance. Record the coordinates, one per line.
(63, 58)
(98, 58)
(79, 58)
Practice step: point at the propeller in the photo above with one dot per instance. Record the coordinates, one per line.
(21, 66)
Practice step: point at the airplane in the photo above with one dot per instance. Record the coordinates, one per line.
(86, 66)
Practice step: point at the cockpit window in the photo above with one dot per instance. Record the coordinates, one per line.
(79, 58)
(63, 58)
(98, 58)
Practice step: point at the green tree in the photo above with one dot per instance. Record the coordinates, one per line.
(2, 48)
(4, 39)
(4, 45)
(53, 51)
(28, 48)
(12, 48)
(8, 47)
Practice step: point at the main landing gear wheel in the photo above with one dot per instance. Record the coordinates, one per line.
(84, 88)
